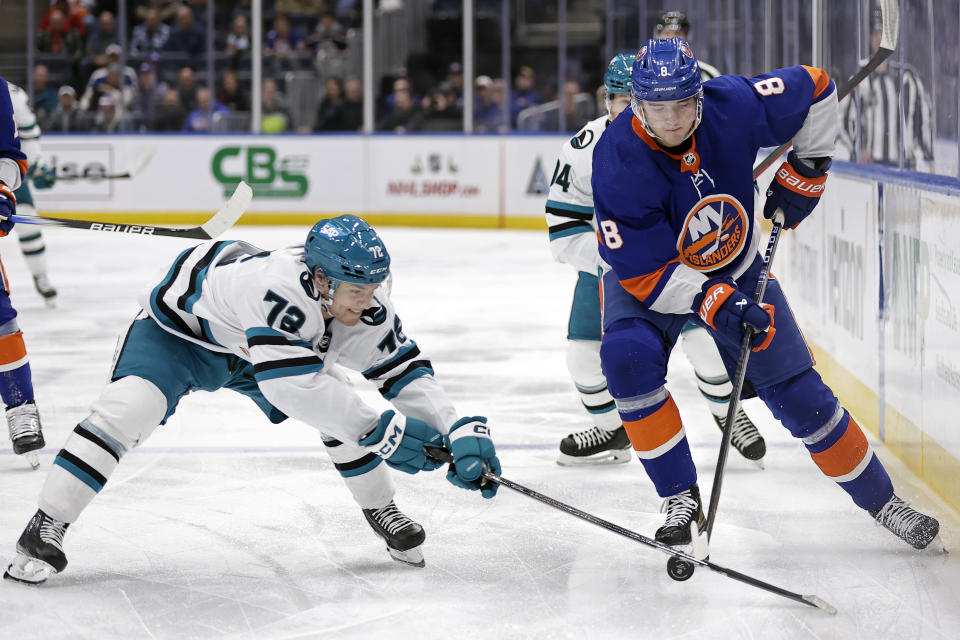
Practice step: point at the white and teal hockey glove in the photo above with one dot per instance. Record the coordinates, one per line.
(43, 176)
(473, 452)
(399, 440)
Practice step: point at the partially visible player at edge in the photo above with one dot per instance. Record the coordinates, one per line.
(16, 381)
(270, 325)
(31, 238)
(674, 24)
(573, 240)
(673, 190)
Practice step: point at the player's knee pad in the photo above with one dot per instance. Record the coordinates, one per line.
(128, 410)
(634, 358)
(803, 403)
(367, 479)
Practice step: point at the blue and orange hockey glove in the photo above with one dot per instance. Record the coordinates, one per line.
(796, 189)
(8, 207)
(727, 311)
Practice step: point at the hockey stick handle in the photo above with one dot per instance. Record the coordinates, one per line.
(443, 455)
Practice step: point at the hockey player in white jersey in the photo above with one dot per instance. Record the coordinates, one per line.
(43, 177)
(573, 240)
(269, 324)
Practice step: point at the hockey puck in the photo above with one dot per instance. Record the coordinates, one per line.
(678, 569)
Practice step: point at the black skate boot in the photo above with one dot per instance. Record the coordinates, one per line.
(23, 422)
(684, 529)
(403, 535)
(39, 550)
(45, 289)
(907, 523)
(595, 446)
(745, 437)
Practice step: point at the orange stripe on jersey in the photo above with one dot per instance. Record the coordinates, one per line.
(655, 430)
(12, 348)
(23, 167)
(821, 79)
(845, 454)
(642, 286)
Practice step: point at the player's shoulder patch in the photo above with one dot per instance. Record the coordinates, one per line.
(373, 316)
(583, 139)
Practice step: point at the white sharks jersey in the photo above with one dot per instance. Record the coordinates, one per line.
(26, 123)
(261, 306)
(569, 209)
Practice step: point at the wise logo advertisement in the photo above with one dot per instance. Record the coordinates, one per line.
(268, 173)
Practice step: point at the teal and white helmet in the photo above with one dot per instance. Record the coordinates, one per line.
(346, 249)
(617, 78)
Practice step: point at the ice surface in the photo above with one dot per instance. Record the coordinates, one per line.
(223, 525)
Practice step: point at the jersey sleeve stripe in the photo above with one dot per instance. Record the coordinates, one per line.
(276, 340)
(417, 369)
(569, 229)
(565, 210)
(199, 272)
(162, 312)
(821, 82)
(405, 354)
(286, 368)
(647, 287)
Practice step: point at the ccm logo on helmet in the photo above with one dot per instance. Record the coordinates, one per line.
(798, 183)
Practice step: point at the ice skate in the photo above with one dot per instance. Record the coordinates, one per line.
(402, 535)
(908, 524)
(23, 422)
(39, 550)
(745, 437)
(595, 446)
(685, 529)
(45, 289)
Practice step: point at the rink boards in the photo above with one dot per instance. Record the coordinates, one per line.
(874, 277)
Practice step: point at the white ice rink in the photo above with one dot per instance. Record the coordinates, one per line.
(225, 526)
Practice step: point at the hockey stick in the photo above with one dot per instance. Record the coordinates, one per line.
(132, 173)
(811, 600)
(888, 42)
(220, 222)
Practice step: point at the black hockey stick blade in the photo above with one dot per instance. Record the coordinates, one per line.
(443, 455)
(888, 42)
(132, 173)
(222, 220)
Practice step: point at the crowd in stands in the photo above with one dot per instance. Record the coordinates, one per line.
(155, 78)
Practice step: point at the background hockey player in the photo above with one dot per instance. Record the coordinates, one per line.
(674, 24)
(31, 238)
(16, 381)
(681, 243)
(573, 240)
(268, 324)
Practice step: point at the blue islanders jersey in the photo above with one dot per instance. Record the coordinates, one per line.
(13, 162)
(667, 223)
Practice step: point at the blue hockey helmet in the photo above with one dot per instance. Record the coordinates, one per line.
(346, 249)
(617, 77)
(665, 70)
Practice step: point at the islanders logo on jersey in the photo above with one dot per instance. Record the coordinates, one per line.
(714, 233)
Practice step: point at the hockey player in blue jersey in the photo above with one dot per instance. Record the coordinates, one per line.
(573, 240)
(16, 381)
(270, 325)
(674, 196)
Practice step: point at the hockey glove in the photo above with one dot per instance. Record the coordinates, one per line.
(727, 310)
(399, 441)
(796, 189)
(43, 176)
(473, 452)
(8, 206)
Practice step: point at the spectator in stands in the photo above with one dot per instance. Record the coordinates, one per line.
(329, 35)
(405, 116)
(149, 95)
(488, 112)
(166, 9)
(579, 108)
(238, 40)
(68, 116)
(172, 114)
(187, 88)
(455, 79)
(128, 75)
(442, 113)
(283, 41)
(108, 119)
(400, 83)
(206, 114)
(58, 35)
(331, 108)
(187, 37)
(524, 92)
(108, 85)
(274, 115)
(151, 36)
(100, 38)
(231, 95)
(353, 105)
(44, 96)
(306, 8)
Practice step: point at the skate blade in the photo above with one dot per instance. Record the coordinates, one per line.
(33, 459)
(759, 464)
(412, 557)
(28, 570)
(616, 456)
(936, 545)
